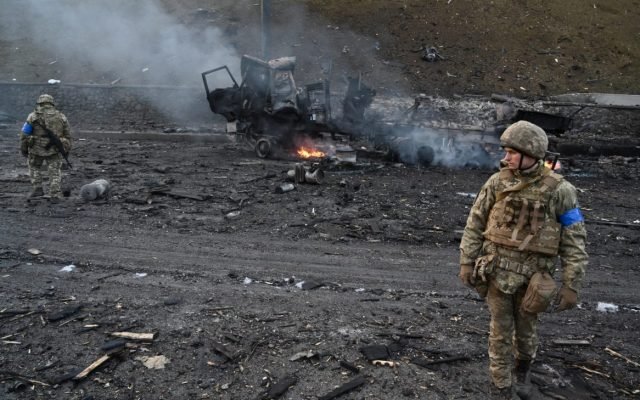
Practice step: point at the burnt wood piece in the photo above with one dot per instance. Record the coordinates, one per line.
(349, 366)
(346, 388)
(375, 352)
(12, 313)
(83, 374)
(429, 363)
(113, 346)
(311, 284)
(222, 349)
(64, 313)
(147, 337)
(279, 388)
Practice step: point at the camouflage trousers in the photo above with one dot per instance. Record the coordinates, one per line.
(54, 168)
(511, 332)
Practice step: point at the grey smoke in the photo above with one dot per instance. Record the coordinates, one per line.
(434, 147)
(135, 41)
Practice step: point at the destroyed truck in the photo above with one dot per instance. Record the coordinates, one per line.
(267, 109)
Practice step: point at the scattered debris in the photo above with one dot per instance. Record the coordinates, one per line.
(68, 268)
(429, 363)
(83, 374)
(35, 252)
(616, 354)
(279, 388)
(64, 313)
(346, 388)
(385, 363)
(571, 342)
(155, 362)
(22, 378)
(303, 354)
(113, 345)
(147, 337)
(607, 307)
(349, 366)
(591, 371)
(302, 174)
(98, 189)
(284, 188)
(375, 352)
(309, 284)
(431, 54)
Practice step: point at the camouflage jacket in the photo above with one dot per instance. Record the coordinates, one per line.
(561, 205)
(37, 142)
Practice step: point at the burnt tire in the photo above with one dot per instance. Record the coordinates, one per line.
(263, 148)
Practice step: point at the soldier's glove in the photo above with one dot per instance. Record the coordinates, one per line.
(24, 147)
(466, 272)
(566, 299)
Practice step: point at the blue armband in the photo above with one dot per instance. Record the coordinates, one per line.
(571, 217)
(27, 128)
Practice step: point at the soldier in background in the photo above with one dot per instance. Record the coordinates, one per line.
(523, 218)
(39, 148)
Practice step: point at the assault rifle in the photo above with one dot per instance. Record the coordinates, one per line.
(54, 140)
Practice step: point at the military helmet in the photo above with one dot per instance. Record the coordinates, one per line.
(527, 138)
(45, 98)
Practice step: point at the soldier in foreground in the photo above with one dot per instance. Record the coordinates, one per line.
(523, 218)
(45, 139)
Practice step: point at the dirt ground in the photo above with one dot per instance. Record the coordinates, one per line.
(246, 289)
(526, 48)
(236, 280)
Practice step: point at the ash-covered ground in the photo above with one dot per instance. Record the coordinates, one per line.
(244, 288)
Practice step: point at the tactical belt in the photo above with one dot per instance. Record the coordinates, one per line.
(518, 268)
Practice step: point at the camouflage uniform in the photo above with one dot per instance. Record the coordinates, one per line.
(39, 150)
(519, 224)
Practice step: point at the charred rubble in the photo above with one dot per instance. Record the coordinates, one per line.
(267, 110)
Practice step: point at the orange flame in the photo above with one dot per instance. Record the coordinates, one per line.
(306, 152)
(549, 164)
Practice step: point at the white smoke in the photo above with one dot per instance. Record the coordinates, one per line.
(125, 41)
(439, 147)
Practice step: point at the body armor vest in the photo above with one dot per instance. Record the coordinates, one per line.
(520, 218)
(40, 144)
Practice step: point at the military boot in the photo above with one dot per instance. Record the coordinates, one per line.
(496, 393)
(523, 379)
(56, 196)
(36, 192)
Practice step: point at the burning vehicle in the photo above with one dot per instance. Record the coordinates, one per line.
(272, 114)
(268, 110)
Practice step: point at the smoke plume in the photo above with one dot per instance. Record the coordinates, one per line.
(131, 42)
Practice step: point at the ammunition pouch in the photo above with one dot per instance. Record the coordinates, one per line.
(482, 269)
(541, 291)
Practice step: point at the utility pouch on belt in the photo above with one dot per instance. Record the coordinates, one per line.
(481, 271)
(540, 293)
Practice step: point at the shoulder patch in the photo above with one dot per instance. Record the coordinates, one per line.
(27, 128)
(571, 217)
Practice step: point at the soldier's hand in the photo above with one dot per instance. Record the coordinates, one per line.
(466, 272)
(566, 299)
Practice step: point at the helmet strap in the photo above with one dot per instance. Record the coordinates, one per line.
(520, 163)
